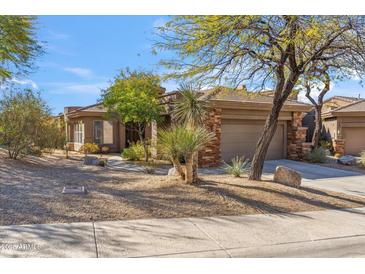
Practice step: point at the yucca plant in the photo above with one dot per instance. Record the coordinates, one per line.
(184, 141)
(168, 146)
(190, 109)
(190, 142)
(239, 166)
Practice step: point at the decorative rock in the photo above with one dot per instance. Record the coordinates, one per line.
(172, 172)
(91, 160)
(347, 160)
(287, 176)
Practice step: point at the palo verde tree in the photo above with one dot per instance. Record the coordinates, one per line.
(317, 79)
(133, 97)
(18, 45)
(261, 51)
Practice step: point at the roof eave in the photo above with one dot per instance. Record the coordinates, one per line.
(258, 105)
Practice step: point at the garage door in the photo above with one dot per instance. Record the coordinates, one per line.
(354, 140)
(240, 138)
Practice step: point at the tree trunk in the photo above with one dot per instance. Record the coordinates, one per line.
(263, 144)
(189, 179)
(178, 168)
(282, 91)
(143, 141)
(195, 167)
(318, 126)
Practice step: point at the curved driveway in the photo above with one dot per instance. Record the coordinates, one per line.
(349, 182)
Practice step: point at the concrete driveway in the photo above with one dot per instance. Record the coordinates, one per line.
(349, 182)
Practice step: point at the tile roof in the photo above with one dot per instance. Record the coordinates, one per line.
(358, 105)
(344, 98)
(244, 96)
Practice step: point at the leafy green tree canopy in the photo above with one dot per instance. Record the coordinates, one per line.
(26, 125)
(262, 51)
(18, 45)
(133, 97)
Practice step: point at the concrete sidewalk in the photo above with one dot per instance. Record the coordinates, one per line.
(330, 233)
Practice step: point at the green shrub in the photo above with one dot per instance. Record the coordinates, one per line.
(34, 151)
(326, 144)
(102, 162)
(89, 148)
(134, 152)
(239, 165)
(317, 155)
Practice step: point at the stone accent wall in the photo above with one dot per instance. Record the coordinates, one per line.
(296, 137)
(211, 155)
(339, 146)
(306, 148)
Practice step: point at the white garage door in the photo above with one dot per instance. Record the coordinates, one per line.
(240, 138)
(354, 140)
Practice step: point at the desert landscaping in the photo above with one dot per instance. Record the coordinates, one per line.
(31, 192)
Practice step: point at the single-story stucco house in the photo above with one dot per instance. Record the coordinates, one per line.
(344, 124)
(328, 105)
(90, 124)
(236, 118)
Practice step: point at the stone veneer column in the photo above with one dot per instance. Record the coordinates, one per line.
(211, 155)
(296, 137)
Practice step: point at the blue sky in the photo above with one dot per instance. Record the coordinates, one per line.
(83, 53)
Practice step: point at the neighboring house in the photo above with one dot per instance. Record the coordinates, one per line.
(236, 118)
(328, 105)
(90, 125)
(344, 126)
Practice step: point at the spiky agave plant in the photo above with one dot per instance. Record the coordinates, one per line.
(238, 166)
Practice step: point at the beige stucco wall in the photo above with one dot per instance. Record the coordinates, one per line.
(88, 131)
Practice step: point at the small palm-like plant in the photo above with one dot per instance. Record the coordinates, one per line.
(189, 109)
(239, 166)
(190, 142)
(184, 141)
(168, 146)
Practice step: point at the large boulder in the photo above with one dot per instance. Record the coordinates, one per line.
(287, 176)
(347, 160)
(173, 172)
(91, 160)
